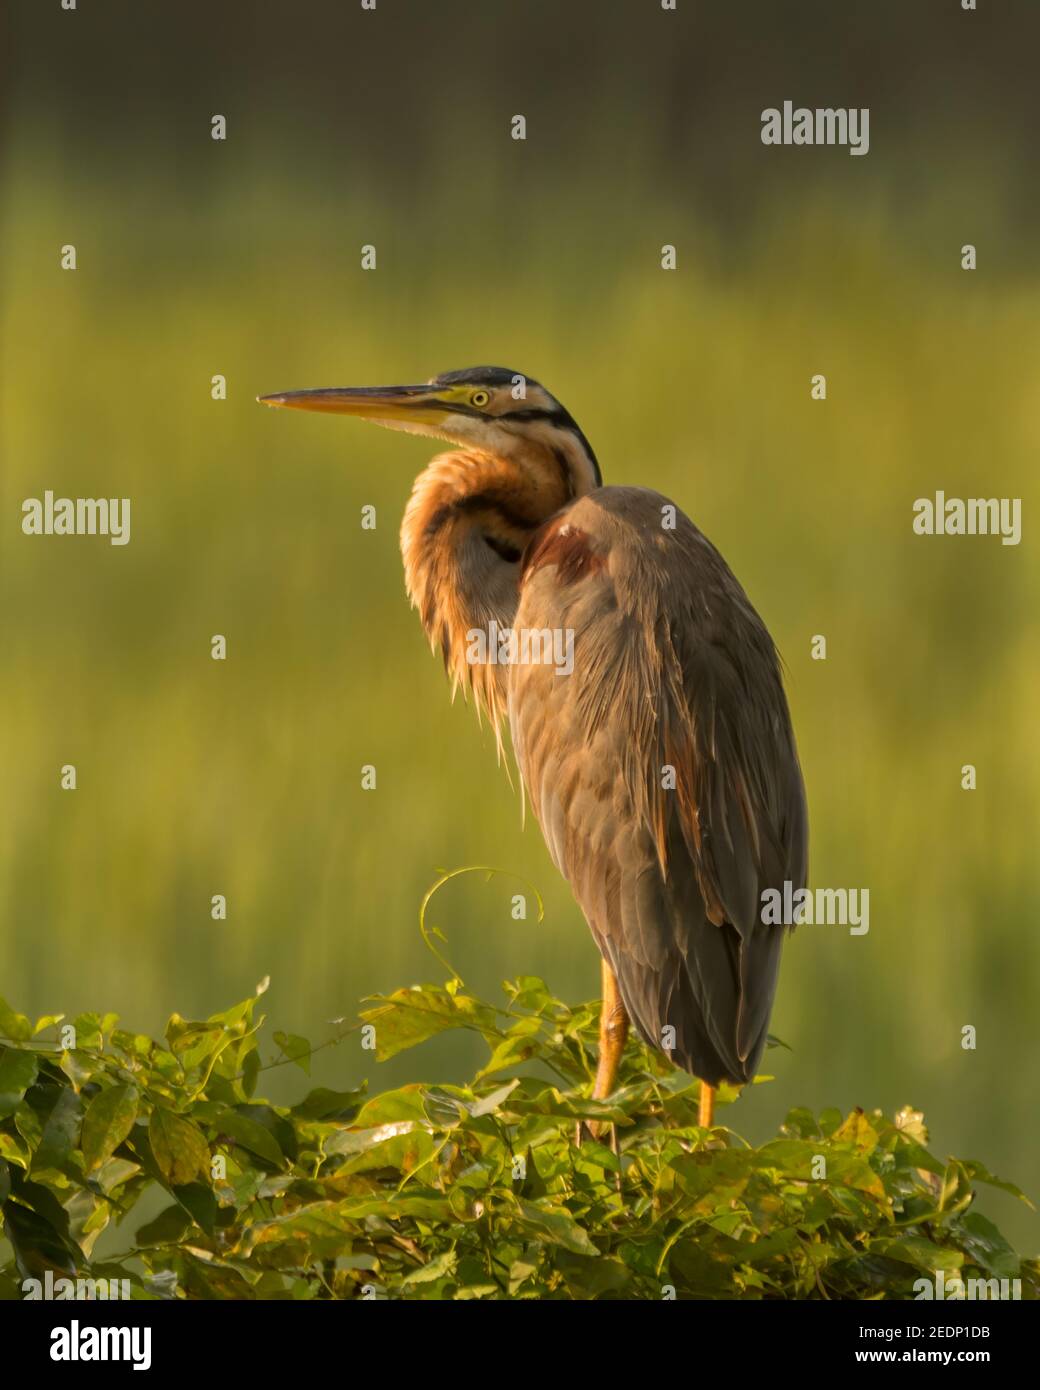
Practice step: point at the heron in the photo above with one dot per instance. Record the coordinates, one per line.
(662, 768)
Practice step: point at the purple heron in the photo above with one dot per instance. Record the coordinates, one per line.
(662, 767)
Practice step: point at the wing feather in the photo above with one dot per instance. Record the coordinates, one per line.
(673, 669)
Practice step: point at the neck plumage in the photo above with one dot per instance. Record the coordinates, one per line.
(468, 521)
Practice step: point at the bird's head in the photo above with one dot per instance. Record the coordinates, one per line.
(472, 512)
(490, 409)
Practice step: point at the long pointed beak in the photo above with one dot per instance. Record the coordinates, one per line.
(417, 405)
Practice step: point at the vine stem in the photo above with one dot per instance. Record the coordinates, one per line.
(428, 932)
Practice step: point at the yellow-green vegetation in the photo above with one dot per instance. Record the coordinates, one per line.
(243, 258)
(243, 777)
(456, 1192)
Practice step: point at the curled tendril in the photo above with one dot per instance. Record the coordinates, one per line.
(428, 933)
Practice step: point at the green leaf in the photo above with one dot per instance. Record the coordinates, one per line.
(418, 1192)
(250, 1072)
(239, 1016)
(406, 1103)
(488, 1104)
(79, 1067)
(590, 1278)
(556, 1225)
(37, 1245)
(14, 1027)
(987, 1247)
(244, 1130)
(520, 1046)
(323, 1104)
(60, 1132)
(193, 1043)
(402, 1145)
(18, 1071)
(295, 1049)
(109, 1119)
(410, 1016)
(201, 1202)
(923, 1254)
(858, 1130)
(531, 992)
(13, 1151)
(166, 1229)
(592, 1152)
(133, 1045)
(977, 1172)
(438, 1268)
(114, 1172)
(179, 1147)
(89, 1031)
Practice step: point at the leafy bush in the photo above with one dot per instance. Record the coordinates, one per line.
(476, 1191)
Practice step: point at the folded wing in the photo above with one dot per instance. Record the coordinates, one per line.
(662, 769)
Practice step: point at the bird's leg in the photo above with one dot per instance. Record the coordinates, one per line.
(706, 1109)
(613, 1030)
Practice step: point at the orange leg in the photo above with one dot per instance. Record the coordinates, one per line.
(706, 1109)
(613, 1031)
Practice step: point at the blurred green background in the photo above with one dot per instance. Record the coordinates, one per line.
(243, 258)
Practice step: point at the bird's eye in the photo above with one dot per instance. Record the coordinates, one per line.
(479, 399)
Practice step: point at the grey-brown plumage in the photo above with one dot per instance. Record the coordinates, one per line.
(673, 669)
(662, 769)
